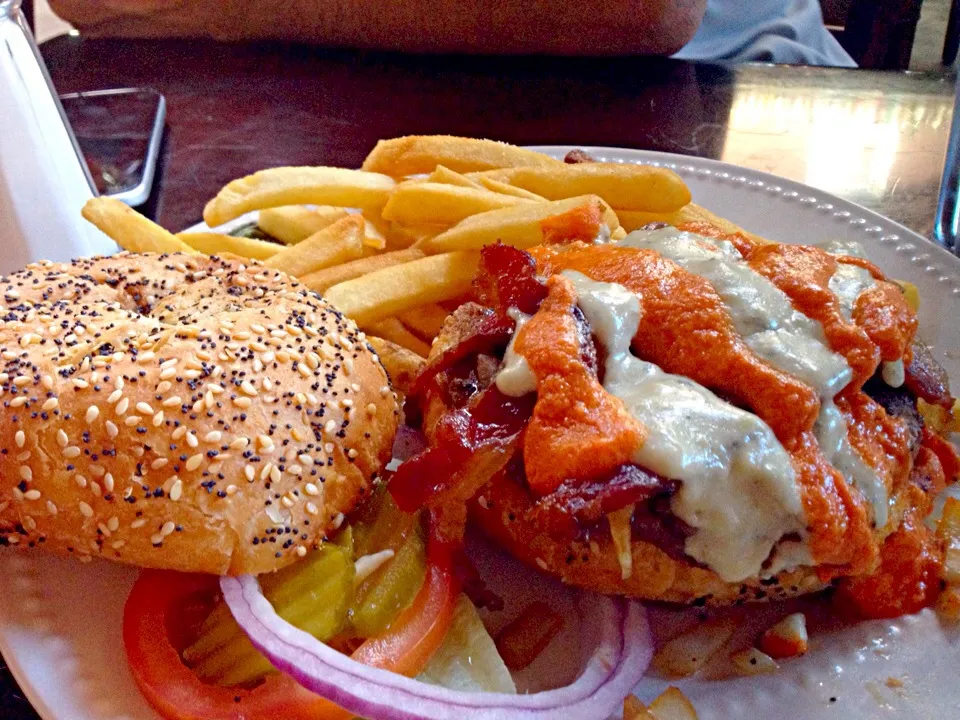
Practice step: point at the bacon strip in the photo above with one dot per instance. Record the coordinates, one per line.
(506, 279)
(469, 443)
(575, 504)
(471, 330)
(926, 379)
(578, 156)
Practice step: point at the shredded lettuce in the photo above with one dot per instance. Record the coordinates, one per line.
(468, 660)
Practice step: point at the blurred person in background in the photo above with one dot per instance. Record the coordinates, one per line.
(777, 31)
(788, 31)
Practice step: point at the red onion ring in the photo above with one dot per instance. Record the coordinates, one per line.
(615, 667)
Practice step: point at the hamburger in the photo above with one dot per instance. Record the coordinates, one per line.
(691, 415)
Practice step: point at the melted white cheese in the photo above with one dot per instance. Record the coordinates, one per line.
(783, 337)
(831, 432)
(738, 488)
(847, 282)
(893, 373)
(762, 313)
(515, 378)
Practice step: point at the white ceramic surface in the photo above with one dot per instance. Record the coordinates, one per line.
(60, 619)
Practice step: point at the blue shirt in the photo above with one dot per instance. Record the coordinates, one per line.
(778, 31)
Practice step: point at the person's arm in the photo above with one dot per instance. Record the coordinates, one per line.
(561, 27)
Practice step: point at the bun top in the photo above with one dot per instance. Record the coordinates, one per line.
(182, 412)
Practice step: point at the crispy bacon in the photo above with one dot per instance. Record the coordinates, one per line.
(588, 348)
(471, 330)
(655, 523)
(926, 379)
(469, 444)
(578, 156)
(507, 278)
(565, 511)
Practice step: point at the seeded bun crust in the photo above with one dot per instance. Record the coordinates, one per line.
(182, 412)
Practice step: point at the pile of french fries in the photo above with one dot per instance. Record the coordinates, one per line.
(395, 245)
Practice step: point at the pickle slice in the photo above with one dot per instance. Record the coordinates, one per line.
(322, 595)
(382, 525)
(391, 589)
(314, 595)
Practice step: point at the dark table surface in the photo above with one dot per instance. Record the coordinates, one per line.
(875, 138)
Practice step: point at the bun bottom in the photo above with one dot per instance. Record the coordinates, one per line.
(500, 507)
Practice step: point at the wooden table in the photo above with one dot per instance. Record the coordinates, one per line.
(874, 138)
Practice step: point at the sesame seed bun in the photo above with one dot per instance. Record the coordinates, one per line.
(182, 412)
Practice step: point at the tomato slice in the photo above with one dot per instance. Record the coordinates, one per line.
(156, 614)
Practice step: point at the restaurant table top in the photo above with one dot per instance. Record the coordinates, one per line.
(876, 138)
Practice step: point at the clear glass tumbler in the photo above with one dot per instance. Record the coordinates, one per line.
(44, 180)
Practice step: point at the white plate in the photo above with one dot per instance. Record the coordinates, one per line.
(60, 619)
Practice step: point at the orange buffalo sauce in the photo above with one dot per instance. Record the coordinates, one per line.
(907, 580)
(837, 517)
(686, 329)
(578, 430)
(803, 274)
(882, 441)
(883, 313)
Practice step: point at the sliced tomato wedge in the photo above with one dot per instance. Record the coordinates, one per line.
(158, 613)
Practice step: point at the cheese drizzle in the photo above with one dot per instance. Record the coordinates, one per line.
(738, 488)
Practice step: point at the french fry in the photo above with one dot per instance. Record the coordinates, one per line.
(948, 604)
(333, 245)
(393, 330)
(689, 651)
(292, 223)
(417, 154)
(131, 230)
(373, 237)
(690, 217)
(402, 365)
(672, 704)
(787, 639)
(526, 225)
(328, 277)
(622, 186)
(502, 187)
(910, 294)
(948, 530)
(695, 218)
(447, 176)
(392, 290)
(211, 243)
(430, 203)
(425, 321)
(298, 186)
(403, 236)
